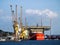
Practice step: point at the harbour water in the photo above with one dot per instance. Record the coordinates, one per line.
(31, 42)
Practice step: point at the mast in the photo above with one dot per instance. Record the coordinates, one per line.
(41, 21)
(25, 23)
(50, 25)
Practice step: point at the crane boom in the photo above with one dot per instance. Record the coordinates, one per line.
(16, 17)
(21, 17)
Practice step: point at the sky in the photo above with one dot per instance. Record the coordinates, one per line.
(33, 10)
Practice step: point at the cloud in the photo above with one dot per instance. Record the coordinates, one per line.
(46, 12)
(31, 11)
(50, 13)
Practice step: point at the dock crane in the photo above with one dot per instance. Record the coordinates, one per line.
(24, 32)
(20, 32)
(15, 23)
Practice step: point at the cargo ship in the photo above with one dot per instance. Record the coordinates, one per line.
(26, 32)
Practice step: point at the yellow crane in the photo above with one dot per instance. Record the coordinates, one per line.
(15, 23)
(24, 31)
(20, 32)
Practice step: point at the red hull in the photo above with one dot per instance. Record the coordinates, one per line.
(37, 36)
